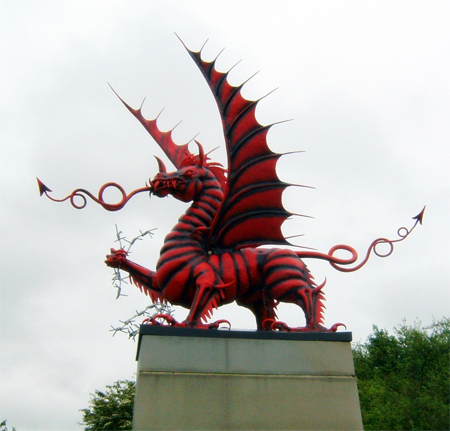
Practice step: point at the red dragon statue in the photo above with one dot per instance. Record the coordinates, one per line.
(212, 255)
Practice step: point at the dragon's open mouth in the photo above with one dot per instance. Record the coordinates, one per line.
(163, 186)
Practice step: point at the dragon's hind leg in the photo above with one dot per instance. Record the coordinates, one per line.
(288, 280)
(263, 309)
(310, 299)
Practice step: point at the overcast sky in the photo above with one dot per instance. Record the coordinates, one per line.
(367, 86)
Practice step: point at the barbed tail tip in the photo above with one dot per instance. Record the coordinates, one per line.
(42, 187)
(419, 217)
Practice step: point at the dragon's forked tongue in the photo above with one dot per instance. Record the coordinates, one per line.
(80, 193)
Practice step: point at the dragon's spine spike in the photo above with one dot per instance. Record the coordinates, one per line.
(212, 304)
(319, 304)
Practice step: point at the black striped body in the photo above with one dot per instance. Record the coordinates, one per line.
(182, 251)
(256, 278)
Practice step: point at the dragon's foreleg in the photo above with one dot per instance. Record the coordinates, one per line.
(208, 295)
(142, 277)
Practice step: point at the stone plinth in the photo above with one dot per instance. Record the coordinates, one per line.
(244, 380)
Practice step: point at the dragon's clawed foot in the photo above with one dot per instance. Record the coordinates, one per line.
(154, 320)
(170, 321)
(217, 323)
(335, 327)
(277, 325)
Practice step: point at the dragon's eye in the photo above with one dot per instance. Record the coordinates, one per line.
(188, 173)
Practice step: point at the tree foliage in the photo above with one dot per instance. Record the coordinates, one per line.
(404, 379)
(3, 426)
(111, 409)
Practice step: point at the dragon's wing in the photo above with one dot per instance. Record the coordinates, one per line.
(252, 212)
(175, 153)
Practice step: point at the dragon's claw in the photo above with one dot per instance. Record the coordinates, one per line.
(217, 323)
(167, 317)
(194, 325)
(277, 325)
(335, 327)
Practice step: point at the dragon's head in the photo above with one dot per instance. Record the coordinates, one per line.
(188, 181)
(184, 184)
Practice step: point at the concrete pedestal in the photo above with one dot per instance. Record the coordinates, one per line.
(243, 380)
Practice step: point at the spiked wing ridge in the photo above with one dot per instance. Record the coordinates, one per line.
(175, 153)
(252, 212)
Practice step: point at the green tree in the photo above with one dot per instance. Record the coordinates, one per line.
(3, 426)
(112, 409)
(404, 379)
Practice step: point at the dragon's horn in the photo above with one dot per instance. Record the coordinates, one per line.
(161, 165)
(174, 152)
(201, 153)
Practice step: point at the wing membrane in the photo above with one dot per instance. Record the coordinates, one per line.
(252, 212)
